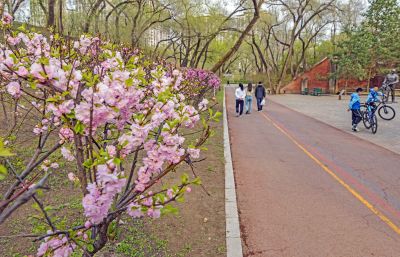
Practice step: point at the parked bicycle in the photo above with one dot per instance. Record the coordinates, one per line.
(368, 113)
(385, 111)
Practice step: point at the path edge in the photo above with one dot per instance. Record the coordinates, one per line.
(233, 238)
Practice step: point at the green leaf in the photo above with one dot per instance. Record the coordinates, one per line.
(129, 82)
(196, 181)
(169, 209)
(185, 178)
(51, 100)
(48, 208)
(79, 128)
(117, 161)
(90, 248)
(5, 152)
(3, 172)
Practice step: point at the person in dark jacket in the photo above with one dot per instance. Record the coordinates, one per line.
(260, 95)
(391, 81)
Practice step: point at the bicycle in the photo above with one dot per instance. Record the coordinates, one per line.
(369, 117)
(385, 111)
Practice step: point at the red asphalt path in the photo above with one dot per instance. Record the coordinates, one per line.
(305, 188)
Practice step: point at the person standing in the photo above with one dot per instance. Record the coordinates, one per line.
(354, 107)
(249, 98)
(260, 95)
(391, 81)
(240, 96)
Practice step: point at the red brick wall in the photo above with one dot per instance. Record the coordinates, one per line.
(317, 78)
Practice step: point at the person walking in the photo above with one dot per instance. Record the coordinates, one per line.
(249, 98)
(240, 96)
(260, 95)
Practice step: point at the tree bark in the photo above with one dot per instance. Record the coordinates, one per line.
(60, 17)
(51, 17)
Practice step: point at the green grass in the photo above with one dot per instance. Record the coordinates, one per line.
(220, 96)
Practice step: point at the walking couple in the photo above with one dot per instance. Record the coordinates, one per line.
(246, 97)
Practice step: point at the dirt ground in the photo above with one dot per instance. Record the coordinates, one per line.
(197, 230)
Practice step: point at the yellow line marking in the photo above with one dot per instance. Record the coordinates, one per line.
(378, 213)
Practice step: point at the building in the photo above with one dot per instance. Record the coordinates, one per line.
(157, 34)
(319, 76)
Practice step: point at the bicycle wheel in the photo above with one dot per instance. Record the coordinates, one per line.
(365, 120)
(374, 125)
(386, 112)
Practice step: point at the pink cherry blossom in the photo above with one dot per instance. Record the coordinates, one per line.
(22, 71)
(108, 109)
(67, 154)
(7, 19)
(14, 89)
(66, 134)
(111, 150)
(13, 40)
(203, 104)
(194, 153)
(72, 177)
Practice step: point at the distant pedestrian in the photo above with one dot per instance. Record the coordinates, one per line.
(240, 96)
(260, 95)
(354, 107)
(391, 81)
(249, 98)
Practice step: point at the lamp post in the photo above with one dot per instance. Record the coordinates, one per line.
(335, 60)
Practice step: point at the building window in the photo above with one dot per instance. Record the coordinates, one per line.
(71, 5)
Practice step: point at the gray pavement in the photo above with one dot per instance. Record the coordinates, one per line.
(331, 111)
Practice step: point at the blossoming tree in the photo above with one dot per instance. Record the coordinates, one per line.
(122, 119)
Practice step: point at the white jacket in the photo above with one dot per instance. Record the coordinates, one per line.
(240, 94)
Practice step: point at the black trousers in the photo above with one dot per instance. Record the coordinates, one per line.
(356, 117)
(259, 106)
(239, 106)
(393, 92)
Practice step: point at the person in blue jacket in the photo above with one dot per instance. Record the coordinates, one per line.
(373, 96)
(354, 107)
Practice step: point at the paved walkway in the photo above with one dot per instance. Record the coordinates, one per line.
(333, 112)
(307, 189)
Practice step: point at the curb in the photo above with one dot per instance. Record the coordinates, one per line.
(233, 239)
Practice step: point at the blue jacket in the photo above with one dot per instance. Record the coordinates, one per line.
(355, 102)
(372, 96)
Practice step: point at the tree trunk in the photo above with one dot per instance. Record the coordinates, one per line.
(1, 8)
(369, 78)
(60, 17)
(244, 34)
(91, 14)
(51, 17)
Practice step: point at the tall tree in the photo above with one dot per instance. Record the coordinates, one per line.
(256, 6)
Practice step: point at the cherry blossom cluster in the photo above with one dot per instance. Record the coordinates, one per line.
(119, 116)
(56, 246)
(198, 82)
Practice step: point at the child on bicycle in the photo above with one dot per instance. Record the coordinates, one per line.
(354, 107)
(373, 97)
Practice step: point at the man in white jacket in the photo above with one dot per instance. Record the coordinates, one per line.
(240, 95)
